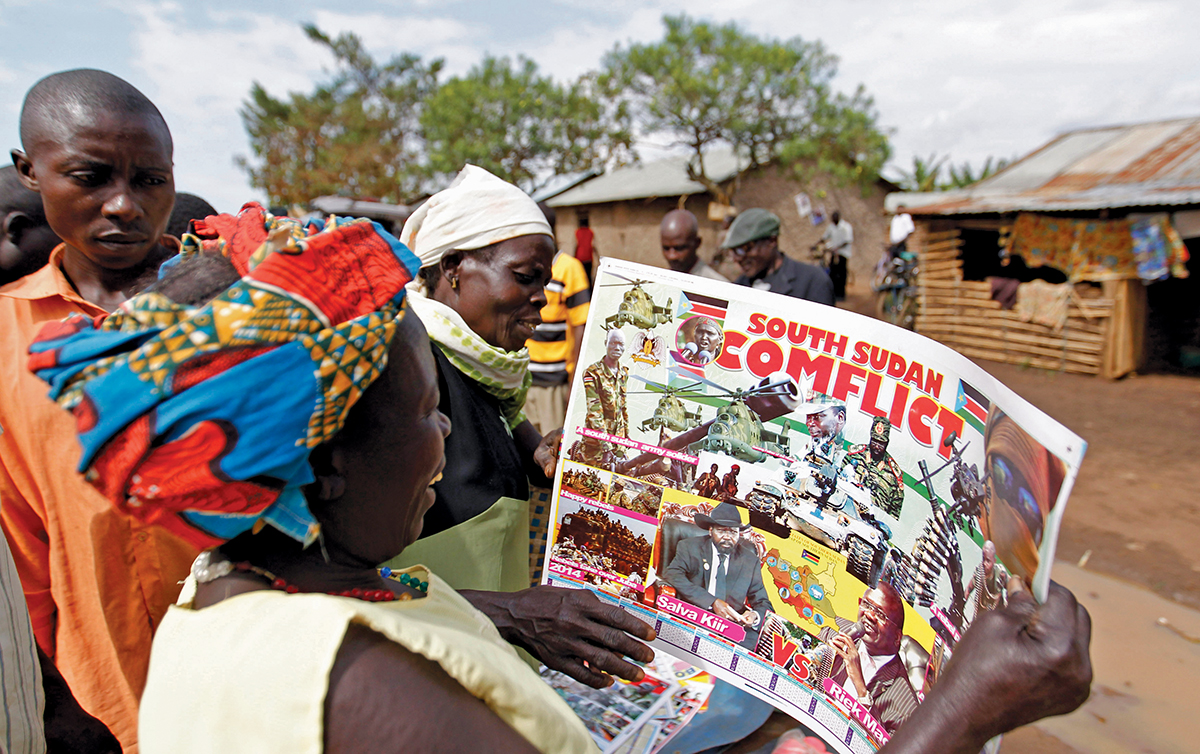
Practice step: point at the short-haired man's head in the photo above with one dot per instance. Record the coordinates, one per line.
(836, 217)
(62, 99)
(679, 233)
(989, 555)
(188, 207)
(614, 345)
(26, 239)
(100, 155)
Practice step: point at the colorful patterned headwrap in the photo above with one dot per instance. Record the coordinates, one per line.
(201, 419)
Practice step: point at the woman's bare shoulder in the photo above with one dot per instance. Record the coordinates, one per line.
(384, 698)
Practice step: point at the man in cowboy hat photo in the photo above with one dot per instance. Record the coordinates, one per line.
(721, 572)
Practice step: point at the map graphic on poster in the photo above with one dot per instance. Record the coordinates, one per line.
(807, 503)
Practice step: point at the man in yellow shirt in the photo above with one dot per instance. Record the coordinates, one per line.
(554, 347)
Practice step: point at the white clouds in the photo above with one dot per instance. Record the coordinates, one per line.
(569, 51)
(988, 78)
(200, 75)
(968, 79)
(429, 37)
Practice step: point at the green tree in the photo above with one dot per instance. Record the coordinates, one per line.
(358, 134)
(705, 85)
(925, 174)
(962, 177)
(523, 126)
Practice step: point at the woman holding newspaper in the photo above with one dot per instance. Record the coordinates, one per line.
(486, 254)
(287, 638)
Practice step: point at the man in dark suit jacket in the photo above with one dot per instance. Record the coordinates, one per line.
(721, 572)
(868, 664)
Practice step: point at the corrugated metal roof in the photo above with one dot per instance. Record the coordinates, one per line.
(1147, 164)
(667, 177)
(560, 183)
(347, 207)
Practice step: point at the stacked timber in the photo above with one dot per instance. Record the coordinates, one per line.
(961, 314)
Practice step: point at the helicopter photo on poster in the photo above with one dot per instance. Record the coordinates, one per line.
(798, 479)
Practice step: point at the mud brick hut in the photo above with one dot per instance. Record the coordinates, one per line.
(625, 206)
(1104, 218)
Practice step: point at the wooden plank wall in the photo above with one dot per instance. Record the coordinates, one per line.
(961, 314)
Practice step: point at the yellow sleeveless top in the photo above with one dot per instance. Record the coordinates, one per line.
(250, 673)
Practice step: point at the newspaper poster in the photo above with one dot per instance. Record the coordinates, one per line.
(617, 714)
(810, 504)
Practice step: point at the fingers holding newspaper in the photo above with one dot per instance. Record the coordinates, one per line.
(571, 631)
(1014, 666)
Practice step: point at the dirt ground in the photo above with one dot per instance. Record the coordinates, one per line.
(1134, 512)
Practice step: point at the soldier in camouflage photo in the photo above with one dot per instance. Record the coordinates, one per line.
(604, 386)
(874, 469)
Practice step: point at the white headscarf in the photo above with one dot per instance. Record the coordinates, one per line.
(477, 210)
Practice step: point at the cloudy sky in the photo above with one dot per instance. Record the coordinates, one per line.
(968, 79)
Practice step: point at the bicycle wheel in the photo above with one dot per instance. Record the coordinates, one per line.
(888, 304)
(908, 310)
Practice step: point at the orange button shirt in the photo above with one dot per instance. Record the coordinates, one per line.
(97, 582)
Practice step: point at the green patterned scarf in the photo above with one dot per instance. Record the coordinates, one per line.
(502, 374)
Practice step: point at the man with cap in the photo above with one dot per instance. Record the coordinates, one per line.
(729, 483)
(680, 236)
(825, 418)
(754, 240)
(721, 572)
(872, 467)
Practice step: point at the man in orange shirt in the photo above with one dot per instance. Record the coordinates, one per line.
(97, 583)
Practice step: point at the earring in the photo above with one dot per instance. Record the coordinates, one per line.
(454, 283)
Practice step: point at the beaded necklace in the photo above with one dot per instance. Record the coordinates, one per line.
(207, 569)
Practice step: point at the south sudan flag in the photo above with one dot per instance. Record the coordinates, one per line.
(972, 406)
(696, 305)
(692, 304)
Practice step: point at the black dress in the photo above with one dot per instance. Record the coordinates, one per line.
(482, 460)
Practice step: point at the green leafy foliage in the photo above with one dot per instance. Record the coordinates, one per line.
(964, 176)
(508, 118)
(705, 85)
(389, 130)
(358, 134)
(926, 173)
